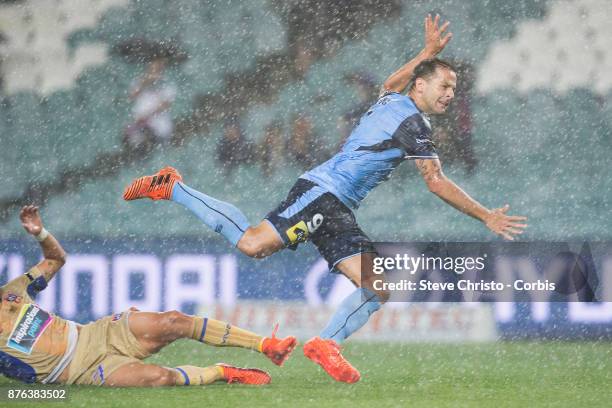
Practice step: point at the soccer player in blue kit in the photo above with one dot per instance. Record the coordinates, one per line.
(319, 207)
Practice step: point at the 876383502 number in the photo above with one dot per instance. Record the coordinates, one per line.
(35, 394)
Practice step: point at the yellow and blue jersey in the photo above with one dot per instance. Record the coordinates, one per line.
(391, 131)
(35, 345)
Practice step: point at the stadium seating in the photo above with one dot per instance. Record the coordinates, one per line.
(545, 54)
(538, 149)
(86, 117)
(97, 208)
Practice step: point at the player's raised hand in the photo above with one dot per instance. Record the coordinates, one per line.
(435, 39)
(505, 225)
(30, 219)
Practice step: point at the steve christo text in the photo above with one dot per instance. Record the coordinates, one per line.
(406, 285)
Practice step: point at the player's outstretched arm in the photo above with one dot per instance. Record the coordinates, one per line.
(53, 253)
(496, 220)
(435, 41)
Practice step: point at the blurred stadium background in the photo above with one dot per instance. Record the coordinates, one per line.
(539, 98)
(258, 90)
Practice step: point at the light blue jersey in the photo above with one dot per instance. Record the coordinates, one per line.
(391, 131)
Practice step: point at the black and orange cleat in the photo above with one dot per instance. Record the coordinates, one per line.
(278, 350)
(326, 353)
(156, 187)
(251, 376)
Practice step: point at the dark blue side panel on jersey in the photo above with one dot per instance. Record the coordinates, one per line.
(414, 137)
(13, 367)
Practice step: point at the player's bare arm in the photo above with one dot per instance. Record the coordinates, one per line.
(53, 253)
(435, 41)
(496, 220)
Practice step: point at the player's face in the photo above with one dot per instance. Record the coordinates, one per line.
(439, 91)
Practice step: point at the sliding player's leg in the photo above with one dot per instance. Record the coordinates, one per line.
(110, 350)
(222, 217)
(156, 330)
(137, 374)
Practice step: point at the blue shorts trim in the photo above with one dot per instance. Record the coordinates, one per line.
(302, 202)
(333, 268)
(284, 241)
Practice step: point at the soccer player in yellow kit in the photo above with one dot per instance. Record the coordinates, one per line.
(38, 346)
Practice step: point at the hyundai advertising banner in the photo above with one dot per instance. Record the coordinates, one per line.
(187, 273)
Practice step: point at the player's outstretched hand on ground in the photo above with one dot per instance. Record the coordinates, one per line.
(505, 225)
(30, 219)
(435, 40)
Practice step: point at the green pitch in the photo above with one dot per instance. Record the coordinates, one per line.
(416, 375)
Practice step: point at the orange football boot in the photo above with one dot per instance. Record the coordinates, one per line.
(278, 350)
(156, 187)
(251, 376)
(326, 353)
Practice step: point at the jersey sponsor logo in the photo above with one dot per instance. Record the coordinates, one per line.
(300, 231)
(31, 324)
(421, 141)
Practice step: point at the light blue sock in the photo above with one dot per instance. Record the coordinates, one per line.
(353, 312)
(222, 217)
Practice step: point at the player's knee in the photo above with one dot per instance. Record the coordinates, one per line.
(251, 246)
(174, 317)
(383, 295)
(160, 377)
(372, 285)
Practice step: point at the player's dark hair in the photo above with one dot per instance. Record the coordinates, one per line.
(427, 68)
